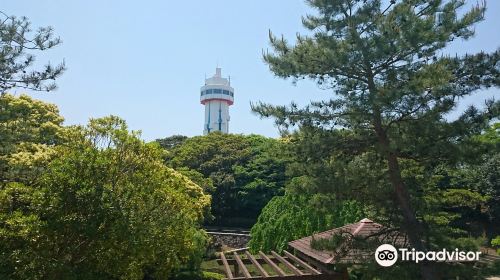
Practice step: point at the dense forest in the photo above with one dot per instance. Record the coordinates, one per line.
(95, 201)
(241, 173)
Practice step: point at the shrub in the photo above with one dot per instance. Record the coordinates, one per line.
(289, 217)
(496, 243)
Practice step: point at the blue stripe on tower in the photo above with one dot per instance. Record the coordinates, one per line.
(220, 116)
(208, 120)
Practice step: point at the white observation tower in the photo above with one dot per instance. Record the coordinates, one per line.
(217, 95)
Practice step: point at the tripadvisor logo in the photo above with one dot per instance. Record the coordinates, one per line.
(386, 255)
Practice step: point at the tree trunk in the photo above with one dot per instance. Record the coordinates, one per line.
(412, 226)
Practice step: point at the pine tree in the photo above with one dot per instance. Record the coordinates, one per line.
(392, 84)
(16, 41)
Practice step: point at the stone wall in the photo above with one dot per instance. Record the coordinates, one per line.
(229, 240)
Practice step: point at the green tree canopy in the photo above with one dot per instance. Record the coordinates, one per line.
(29, 129)
(171, 141)
(289, 217)
(245, 171)
(263, 176)
(105, 208)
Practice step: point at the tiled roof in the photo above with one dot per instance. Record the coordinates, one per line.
(348, 251)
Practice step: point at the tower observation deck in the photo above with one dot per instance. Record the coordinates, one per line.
(217, 95)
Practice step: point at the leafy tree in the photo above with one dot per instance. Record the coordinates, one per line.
(488, 183)
(106, 208)
(245, 171)
(29, 132)
(215, 152)
(29, 129)
(172, 141)
(263, 176)
(496, 242)
(214, 156)
(484, 178)
(205, 183)
(289, 217)
(16, 40)
(392, 86)
(467, 193)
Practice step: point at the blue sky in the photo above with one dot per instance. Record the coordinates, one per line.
(146, 60)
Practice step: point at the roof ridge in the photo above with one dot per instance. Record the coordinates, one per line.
(358, 229)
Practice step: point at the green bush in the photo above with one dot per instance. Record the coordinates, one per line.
(289, 217)
(496, 243)
(187, 275)
(207, 275)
